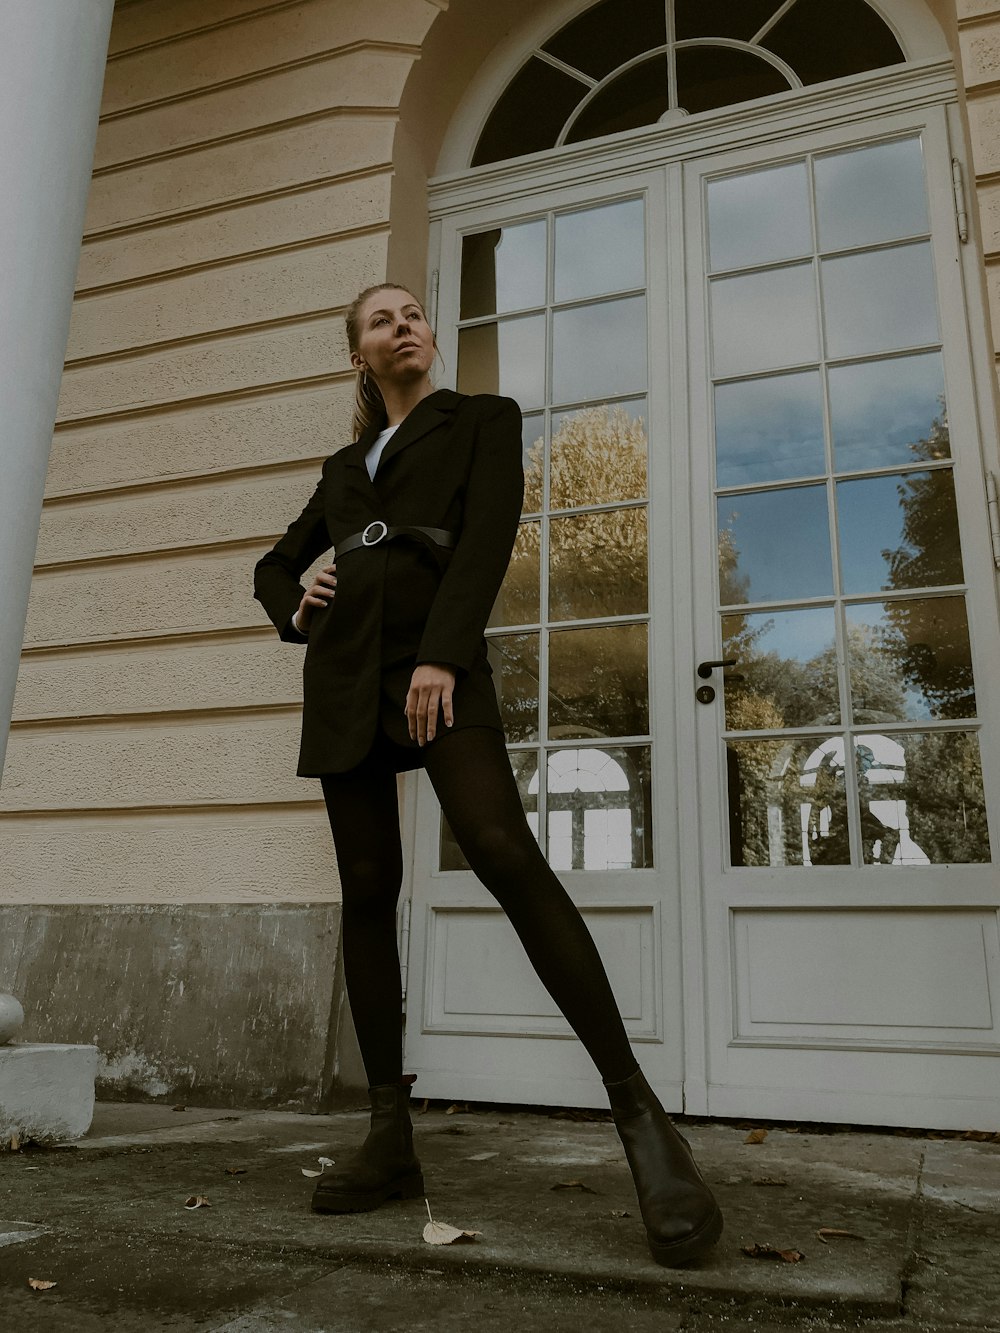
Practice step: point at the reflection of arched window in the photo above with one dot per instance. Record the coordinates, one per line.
(623, 64)
(591, 797)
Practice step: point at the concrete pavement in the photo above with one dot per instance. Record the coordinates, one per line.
(562, 1245)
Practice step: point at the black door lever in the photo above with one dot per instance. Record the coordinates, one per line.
(705, 669)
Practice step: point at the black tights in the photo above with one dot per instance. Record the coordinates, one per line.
(471, 774)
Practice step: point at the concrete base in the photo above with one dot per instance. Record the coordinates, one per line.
(46, 1091)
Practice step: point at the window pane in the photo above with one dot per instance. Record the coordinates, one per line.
(638, 97)
(922, 799)
(506, 358)
(910, 659)
(525, 766)
(879, 302)
(761, 321)
(769, 429)
(774, 545)
(600, 808)
(788, 661)
(533, 460)
(759, 216)
(503, 269)
(885, 412)
(519, 600)
(899, 532)
(599, 350)
(608, 34)
(598, 455)
(598, 565)
(530, 114)
(514, 658)
(600, 250)
(870, 195)
(711, 76)
(598, 682)
(821, 40)
(787, 802)
(721, 18)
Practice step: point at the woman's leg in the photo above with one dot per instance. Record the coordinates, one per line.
(472, 776)
(364, 819)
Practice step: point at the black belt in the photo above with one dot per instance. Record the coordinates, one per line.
(377, 532)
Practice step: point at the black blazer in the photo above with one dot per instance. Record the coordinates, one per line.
(453, 463)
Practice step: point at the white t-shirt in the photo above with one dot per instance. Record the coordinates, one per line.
(375, 452)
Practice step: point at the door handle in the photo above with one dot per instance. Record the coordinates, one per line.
(705, 669)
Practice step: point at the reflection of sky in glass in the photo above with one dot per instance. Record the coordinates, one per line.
(599, 350)
(520, 261)
(782, 540)
(506, 358)
(795, 636)
(871, 517)
(761, 321)
(759, 216)
(600, 250)
(880, 408)
(769, 429)
(879, 302)
(870, 195)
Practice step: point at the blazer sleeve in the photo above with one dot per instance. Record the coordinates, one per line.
(493, 497)
(276, 575)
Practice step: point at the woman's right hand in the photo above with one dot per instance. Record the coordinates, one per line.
(320, 593)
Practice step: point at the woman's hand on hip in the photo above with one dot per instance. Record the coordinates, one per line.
(321, 592)
(431, 688)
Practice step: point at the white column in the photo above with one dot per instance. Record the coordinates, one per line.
(52, 57)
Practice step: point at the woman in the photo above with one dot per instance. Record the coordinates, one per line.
(422, 512)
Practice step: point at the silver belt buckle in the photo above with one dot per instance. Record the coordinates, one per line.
(375, 523)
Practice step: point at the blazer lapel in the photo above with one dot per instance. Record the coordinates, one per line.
(428, 413)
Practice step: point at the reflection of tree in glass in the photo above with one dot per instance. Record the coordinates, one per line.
(943, 791)
(928, 556)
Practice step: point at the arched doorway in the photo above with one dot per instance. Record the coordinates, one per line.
(741, 340)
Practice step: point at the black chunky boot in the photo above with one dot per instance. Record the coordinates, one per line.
(681, 1216)
(383, 1167)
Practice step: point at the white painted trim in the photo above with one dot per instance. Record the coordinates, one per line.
(911, 21)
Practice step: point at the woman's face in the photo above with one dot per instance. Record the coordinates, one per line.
(395, 342)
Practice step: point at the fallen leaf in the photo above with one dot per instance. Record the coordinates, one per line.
(236, 1170)
(823, 1232)
(442, 1233)
(620, 1212)
(457, 1106)
(482, 1156)
(180, 1108)
(768, 1180)
(39, 1284)
(197, 1201)
(426, 1106)
(769, 1252)
(307, 1172)
(756, 1136)
(574, 1185)
(325, 1161)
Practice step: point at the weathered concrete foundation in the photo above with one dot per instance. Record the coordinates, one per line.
(46, 1092)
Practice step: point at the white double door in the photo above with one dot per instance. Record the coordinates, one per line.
(752, 435)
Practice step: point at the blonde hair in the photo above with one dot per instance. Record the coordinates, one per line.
(369, 405)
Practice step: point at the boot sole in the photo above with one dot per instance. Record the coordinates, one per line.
(671, 1254)
(403, 1187)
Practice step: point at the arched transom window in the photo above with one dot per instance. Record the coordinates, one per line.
(623, 64)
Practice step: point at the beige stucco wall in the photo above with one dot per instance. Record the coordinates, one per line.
(240, 198)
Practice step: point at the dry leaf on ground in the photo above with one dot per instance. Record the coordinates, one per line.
(39, 1284)
(325, 1161)
(769, 1252)
(768, 1180)
(756, 1136)
(574, 1185)
(180, 1108)
(823, 1232)
(620, 1212)
(236, 1170)
(442, 1233)
(310, 1174)
(457, 1106)
(197, 1201)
